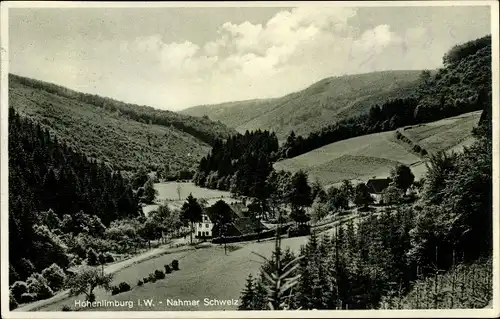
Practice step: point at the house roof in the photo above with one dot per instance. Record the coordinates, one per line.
(247, 225)
(237, 212)
(377, 185)
(239, 209)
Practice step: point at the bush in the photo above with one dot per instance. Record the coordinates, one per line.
(300, 230)
(152, 277)
(168, 270)
(27, 297)
(145, 279)
(124, 287)
(115, 290)
(18, 288)
(175, 264)
(159, 274)
(12, 302)
(37, 284)
(55, 276)
(109, 258)
(140, 283)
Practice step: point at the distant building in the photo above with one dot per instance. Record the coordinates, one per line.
(376, 187)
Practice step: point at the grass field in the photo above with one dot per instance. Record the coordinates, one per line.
(444, 134)
(374, 155)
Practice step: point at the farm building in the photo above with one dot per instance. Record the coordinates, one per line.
(241, 224)
(376, 187)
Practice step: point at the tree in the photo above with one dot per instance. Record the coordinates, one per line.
(191, 211)
(102, 261)
(91, 257)
(55, 276)
(140, 178)
(223, 217)
(319, 210)
(337, 198)
(402, 177)
(391, 195)
(362, 195)
(348, 190)
(299, 192)
(317, 191)
(150, 192)
(247, 295)
(179, 190)
(86, 279)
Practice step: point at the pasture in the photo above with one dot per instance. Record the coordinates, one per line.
(444, 134)
(374, 155)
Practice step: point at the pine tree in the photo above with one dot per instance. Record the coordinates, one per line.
(248, 295)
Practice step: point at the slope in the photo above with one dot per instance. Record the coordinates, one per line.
(322, 103)
(113, 131)
(363, 157)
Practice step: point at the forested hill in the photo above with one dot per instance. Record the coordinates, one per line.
(329, 100)
(125, 135)
(462, 85)
(45, 174)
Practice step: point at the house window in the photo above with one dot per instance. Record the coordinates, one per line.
(199, 234)
(206, 225)
(199, 225)
(206, 233)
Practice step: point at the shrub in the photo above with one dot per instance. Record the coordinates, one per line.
(66, 308)
(140, 283)
(152, 277)
(55, 276)
(168, 270)
(159, 274)
(12, 302)
(109, 258)
(124, 287)
(37, 284)
(145, 279)
(27, 297)
(300, 230)
(175, 264)
(18, 288)
(115, 290)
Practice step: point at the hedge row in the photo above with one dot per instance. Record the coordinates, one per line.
(253, 236)
(415, 147)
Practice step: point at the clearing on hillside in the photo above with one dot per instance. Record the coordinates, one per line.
(363, 157)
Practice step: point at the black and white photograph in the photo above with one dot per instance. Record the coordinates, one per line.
(213, 159)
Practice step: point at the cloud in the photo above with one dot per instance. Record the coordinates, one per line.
(288, 52)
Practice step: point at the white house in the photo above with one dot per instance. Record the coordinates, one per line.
(203, 229)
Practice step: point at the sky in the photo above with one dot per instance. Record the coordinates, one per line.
(174, 58)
